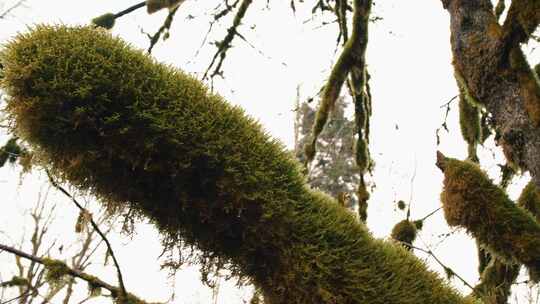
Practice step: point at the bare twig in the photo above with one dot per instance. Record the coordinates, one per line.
(96, 227)
(446, 268)
(11, 8)
(225, 44)
(444, 124)
(430, 214)
(130, 9)
(162, 29)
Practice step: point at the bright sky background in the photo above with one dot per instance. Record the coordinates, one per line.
(409, 58)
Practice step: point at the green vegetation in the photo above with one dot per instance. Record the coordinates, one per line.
(105, 21)
(530, 200)
(148, 137)
(405, 232)
(472, 201)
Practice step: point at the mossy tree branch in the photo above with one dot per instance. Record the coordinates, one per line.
(521, 22)
(470, 200)
(498, 278)
(151, 138)
(351, 63)
(496, 74)
(353, 54)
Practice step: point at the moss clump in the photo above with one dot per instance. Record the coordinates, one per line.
(401, 205)
(419, 224)
(471, 200)
(10, 152)
(56, 271)
(404, 232)
(16, 281)
(105, 21)
(109, 119)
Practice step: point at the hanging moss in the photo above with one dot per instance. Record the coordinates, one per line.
(105, 21)
(496, 281)
(110, 120)
(472, 201)
(469, 121)
(405, 232)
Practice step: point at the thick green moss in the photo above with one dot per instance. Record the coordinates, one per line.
(110, 120)
(472, 201)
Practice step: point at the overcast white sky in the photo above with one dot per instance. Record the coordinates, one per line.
(409, 59)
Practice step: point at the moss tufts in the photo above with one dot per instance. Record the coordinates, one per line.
(471, 200)
(105, 21)
(56, 271)
(404, 232)
(145, 136)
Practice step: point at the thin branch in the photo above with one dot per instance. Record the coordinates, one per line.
(11, 8)
(446, 268)
(430, 214)
(24, 294)
(96, 227)
(164, 28)
(444, 124)
(225, 44)
(130, 9)
(94, 281)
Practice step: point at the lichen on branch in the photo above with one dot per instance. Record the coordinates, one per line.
(143, 135)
